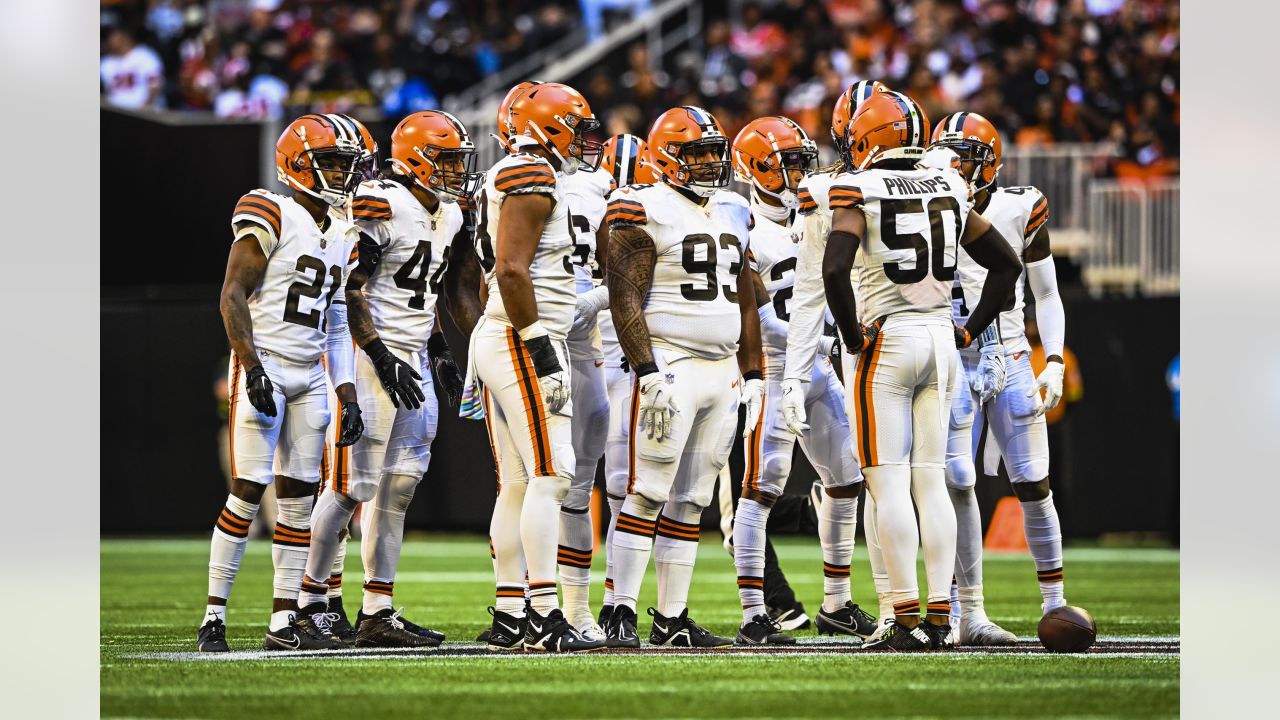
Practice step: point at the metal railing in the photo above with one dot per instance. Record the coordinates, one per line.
(1134, 232)
(1062, 173)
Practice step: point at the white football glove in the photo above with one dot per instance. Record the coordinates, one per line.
(989, 378)
(588, 308)
(555, 391)
(793, 412)
(1050, 380)
(829, 346)
(657, 406)
(752, 398)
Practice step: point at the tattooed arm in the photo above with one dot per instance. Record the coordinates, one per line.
(462, 283)
(632, 256)
(244, 271)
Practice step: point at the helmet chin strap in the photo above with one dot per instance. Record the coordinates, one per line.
(773, 212)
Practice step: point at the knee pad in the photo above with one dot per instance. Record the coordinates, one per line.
(294, 512)
(683, 512)
(1029, 471)
(961, 474)
(776, 469)
(577, 498)
(362, 490)
(557, 486)
(645, 507)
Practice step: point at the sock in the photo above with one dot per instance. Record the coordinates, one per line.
(540, 535)
(674, 552)
(632, 543)
(905, 604)
(289, 545)
(339, 561)
(968, 569)
(955, 602)
(939, 606)
(971, 602)
(280, 619)
(508, 560)
(896, 531)
(615, 506)
(214, 612)
(226, 548)
(937, 531)
(777, 591)
(574, 561)
(1044, 537)
(332, 514)
(837, 523)
(383, 538)
(875, 556)
(748, 555)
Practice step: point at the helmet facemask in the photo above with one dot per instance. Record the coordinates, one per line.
(584, 150)
(353, 166)
(453, 171)
(708, 176)
(979, 153)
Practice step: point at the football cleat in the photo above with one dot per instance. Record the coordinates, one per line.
(507, 632)
(484, 635)
(603, 620)
(762, 631)
(848, 620)
(941, 637)
(882, 628)
(414, 628)
(212, 637)
(901, 639)
(682, 631)
(308, 631)
(590, 630)
(791, 618)
(385, 629)
(621, 630)
(554, 634)
(339, 625)
(976, 630)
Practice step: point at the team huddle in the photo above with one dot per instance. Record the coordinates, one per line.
(622, 304)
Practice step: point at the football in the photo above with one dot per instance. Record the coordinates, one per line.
(1067, 629)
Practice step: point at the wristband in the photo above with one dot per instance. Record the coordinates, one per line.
(750, 375)
(533, 331)
(436, 344)
(376, 350)
(990, 336)
(648, 368)
(543, 353)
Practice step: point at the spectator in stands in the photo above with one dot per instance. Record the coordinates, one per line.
(132, 74)
(593, 13)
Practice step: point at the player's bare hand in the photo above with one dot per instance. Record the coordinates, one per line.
(352, 425)
(398, 377)
(444, 369)
(657, 406)
(260, 390)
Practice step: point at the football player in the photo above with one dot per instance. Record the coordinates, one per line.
(411, 225)
(1001, 384)
(809, 312)
(623, 158)
(283, 308)
(519, 356)
(683, 310)
(896, 227)
(772, 155)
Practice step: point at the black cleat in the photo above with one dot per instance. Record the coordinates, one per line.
(603, 620)
(414, 628)
(308, 631)
(484, 635)
(385, 629)
(939, 636)
(339, 625)
(507, 632)
(682, 631)
(620, 632)
(212, 637)
(790, 618)
(554, 634)
(848, 620)
(762, 631)
(901, 639)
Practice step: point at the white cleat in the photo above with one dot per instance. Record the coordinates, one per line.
(977, 630)
(589, 630)
(882, 628)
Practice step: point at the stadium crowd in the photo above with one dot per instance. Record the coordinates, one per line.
(1044, 71)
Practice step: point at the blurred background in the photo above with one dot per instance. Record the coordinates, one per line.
(195, 93)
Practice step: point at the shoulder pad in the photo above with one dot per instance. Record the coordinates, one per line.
(260, 207)
(371, 204)
(523, 173)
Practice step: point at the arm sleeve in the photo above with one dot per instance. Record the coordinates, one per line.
(1050, 316)
(773, 330)
(340, 352)
(808, 299)
(597, 299)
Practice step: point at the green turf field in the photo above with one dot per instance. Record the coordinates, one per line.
(153, 597)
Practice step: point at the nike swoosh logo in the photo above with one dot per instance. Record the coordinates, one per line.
(660, 628)
(508, 628)
(833, 621)
(599, 363)
(734, 384)
(1018, 355)
(297, 642)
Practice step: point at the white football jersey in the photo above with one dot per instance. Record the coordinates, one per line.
(551, 271)
(692, 305)
(1018, 213)
(773, 256)
(306, 268)
(585, 192)
(403, 288)
(907, 261)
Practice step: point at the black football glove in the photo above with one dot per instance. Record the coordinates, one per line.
(398, 377)
(261, 391)
(352, 424)
(445, 369)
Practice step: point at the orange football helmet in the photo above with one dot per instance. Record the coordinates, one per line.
(677, 136)
(625, 157)
(556, 118)
(767, 151)
(504, 127)
(436, 150)
(846, 105)
(976, 141)
(887, 126)
(340, 143)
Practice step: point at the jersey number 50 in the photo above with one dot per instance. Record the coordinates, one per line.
(940, 241)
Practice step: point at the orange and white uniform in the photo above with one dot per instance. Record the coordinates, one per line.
(298, 312)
